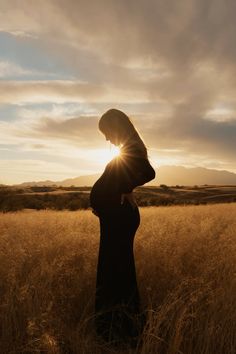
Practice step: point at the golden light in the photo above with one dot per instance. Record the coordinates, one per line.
(109, 153)
(97, 158)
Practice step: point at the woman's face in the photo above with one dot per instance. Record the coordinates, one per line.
(112, 137)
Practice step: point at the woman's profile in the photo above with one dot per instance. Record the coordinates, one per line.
(117, 310)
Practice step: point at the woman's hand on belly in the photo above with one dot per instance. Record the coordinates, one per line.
(130, 197)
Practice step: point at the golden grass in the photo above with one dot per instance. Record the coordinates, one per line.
(186, 269)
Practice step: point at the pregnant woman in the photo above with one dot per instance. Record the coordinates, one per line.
(117, 313)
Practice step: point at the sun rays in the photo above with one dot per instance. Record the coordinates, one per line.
(106, 155)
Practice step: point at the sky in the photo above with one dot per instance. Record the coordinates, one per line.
(169, 65)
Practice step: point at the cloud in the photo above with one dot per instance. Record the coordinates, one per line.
(10, 69)
(176, 57)
(80, 131)
(177, 34)
(105, 37)
(61, 91)
(201, 136)
(48, 91)
(181, 137)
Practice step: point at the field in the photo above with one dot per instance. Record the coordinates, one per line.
(186, 270)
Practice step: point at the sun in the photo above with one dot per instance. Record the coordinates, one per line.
(109, 153)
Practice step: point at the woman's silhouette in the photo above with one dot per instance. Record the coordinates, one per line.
(117, 311)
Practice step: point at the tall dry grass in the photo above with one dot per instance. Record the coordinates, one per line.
(186, 269)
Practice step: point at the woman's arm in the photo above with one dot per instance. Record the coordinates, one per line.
(133, 172)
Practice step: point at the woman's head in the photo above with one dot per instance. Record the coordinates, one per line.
(118, 129)
(116, 126)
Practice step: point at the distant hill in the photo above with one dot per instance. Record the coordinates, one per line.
(47, 183)
(179, 175)
(81, 181)
(169, 175)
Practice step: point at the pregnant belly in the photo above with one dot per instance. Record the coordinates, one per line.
(104, 195)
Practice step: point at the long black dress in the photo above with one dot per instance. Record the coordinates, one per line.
(117, 313)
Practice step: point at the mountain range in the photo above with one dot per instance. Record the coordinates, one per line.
(168, 175)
